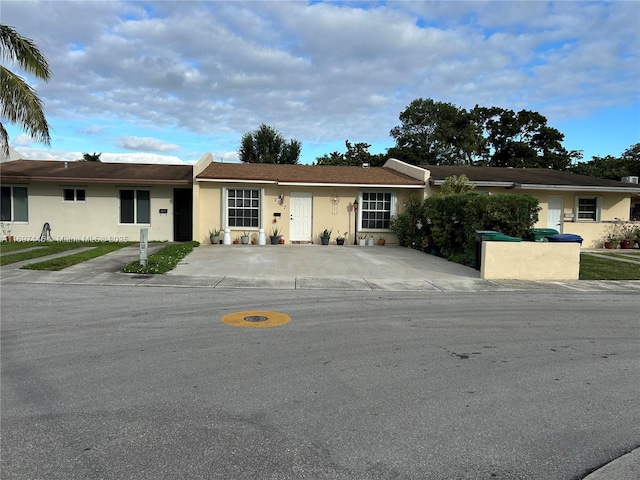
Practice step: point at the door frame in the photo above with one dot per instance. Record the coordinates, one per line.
(309, 234)
(182, 211)
(560, 214)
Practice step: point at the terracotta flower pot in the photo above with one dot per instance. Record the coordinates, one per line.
(625, 244)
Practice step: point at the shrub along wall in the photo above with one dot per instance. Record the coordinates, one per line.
(448, 222)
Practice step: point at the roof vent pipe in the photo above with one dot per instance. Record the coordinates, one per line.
(366, 165)
(66, 164)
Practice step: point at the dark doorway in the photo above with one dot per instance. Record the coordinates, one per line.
(182, 214)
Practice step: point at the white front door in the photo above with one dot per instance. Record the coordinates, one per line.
(300, 222)
(554, 214)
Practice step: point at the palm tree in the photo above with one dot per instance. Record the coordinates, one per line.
(88, 157)
(19, 103)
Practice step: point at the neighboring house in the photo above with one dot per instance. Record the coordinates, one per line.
(13, 155)
(112, 201)
(96, 200)
(570, 203)
(301, 200)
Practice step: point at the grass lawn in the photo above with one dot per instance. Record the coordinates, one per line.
(163, 260)
(598, 268)
(14, 252)
(75, 258)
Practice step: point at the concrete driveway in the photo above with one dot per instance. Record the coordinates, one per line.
(329, 266)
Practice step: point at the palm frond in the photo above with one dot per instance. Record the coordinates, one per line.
(20, 104)
(15, 47)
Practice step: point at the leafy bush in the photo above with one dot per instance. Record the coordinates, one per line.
(449, 222)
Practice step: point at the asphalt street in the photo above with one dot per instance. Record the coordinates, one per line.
(114, 382)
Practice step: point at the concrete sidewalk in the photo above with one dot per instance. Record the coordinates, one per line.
(301, 267)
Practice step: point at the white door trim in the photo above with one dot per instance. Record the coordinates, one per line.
(554, 212)
(300, 217)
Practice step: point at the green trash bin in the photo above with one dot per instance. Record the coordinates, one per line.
(501, 237)
(541, 234)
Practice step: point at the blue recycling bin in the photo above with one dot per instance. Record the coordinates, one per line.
(565, 237)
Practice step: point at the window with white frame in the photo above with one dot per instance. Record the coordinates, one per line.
(73, 194)
(135, 206)
(376, 210)
(588, 209)
(243, 207)
(14, 204)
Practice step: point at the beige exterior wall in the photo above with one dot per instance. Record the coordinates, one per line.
(97, 218)
(612, 206)
(530, 261)
(337, 216)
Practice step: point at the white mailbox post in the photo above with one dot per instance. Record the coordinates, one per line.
(144, 245)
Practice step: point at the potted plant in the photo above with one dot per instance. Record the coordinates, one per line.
(244, 238)
(610, 241)
(325, 236)
(214, 236)
(627, 234)
(371, 240)
(236, 240)
(362, 240)
(340, 238)
(275, 236)
(381, 241)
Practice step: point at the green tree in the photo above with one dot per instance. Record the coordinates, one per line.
(454, 185)
(610, 167)
(521, 139)
(356, 155)
(266, 145)
(19, 102)
(440, 133)
(88, 157)
(435, 133)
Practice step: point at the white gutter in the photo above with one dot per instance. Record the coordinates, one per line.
(535, 186)
(357, 185)
(479, 184)
(307, 184)
(222, 180)
(581, 188)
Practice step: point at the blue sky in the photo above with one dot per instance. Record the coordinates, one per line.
(167, 82)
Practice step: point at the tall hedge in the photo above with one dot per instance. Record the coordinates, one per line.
(449, 222)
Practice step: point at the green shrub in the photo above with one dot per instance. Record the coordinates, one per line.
(449, 222)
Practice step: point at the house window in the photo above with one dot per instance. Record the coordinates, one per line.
(243, 208)
(376, 210)
(135, 206)
(73, 194)
(588, 209)
(14, 204)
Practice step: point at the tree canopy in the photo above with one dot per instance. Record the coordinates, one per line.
(440, 133)
(356, 155)
(88, 157)
(610, 167)
(267, 145)
(19, 103)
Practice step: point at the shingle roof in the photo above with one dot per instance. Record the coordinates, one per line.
(96, 172)
(306, 174)
(529, 177)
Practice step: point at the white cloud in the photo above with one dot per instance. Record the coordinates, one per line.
(322, 71)
(146, 143)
